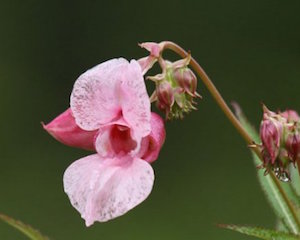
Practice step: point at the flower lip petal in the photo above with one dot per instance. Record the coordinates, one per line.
(103, 189)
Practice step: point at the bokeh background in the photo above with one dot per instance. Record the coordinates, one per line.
(204, 175)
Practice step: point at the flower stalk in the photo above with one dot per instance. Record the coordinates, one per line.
(213, 90)
(235, 122)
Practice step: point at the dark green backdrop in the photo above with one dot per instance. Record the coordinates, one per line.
(204, 175)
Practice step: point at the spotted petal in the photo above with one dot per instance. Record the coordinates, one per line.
(95, 96)
(102, 189)
(135, 100)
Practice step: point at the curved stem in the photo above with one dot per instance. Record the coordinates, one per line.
(212, 89)
(235, 122)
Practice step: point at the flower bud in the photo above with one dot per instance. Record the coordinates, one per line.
(293, 146)
(165, 96)
(280, 142)
(175, 88)
(290, 115)
(64, 129)
(270, 134)
(187, 80)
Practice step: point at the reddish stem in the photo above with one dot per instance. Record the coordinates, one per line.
(235, 122)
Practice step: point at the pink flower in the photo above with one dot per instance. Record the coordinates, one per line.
(111, 108)
(64, 129)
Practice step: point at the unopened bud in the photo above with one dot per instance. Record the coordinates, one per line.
(293, 146)
(165, 96)
(187, 80)
(280, 141)
(290, 115)
(270, 133)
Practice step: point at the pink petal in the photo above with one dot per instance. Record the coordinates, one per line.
(147, 63)
(154, 48)
(103, 189)
(95, 96)
(103, 144)
(135, 100)
(151, 145)
(64, 129)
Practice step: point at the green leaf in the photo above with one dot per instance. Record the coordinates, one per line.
(24, 228)
(295, 181)
(280, 226)
(262, 233)
(277, 193)
(276, 199)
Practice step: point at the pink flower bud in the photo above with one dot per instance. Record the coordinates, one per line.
(64, 129)
(165, 96)
(187, 80)
(290, 115)
(293, 146)
(270, 133)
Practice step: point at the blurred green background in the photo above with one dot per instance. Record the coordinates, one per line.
(204, 175)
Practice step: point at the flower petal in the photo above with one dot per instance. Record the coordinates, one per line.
(135, 100)
(151, 145)
(102, 189)
(155, 49)
(64, 129)
(94, 99)
(147, 63)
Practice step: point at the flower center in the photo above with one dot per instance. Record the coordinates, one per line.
(121, 139)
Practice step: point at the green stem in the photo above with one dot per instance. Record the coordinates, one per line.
(235, 122)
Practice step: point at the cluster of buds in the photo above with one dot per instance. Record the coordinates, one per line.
(279, 133)
(176, 86)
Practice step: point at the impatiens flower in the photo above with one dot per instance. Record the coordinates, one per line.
(110, 105)
(64, 129)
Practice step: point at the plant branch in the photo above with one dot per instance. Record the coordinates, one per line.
(235, 122)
